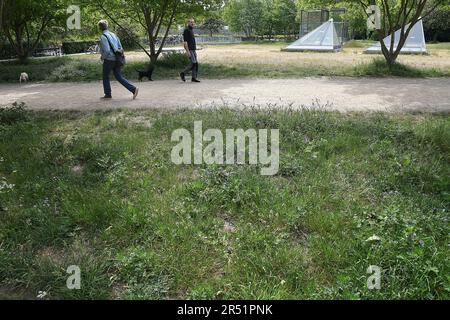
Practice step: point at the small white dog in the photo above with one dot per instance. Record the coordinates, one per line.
(24, 77)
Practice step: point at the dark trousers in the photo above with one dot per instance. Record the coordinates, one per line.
(109, 66)
(193, 65)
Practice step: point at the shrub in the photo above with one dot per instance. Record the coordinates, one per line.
(67, 72)
(7, 51)
(73, 47)
(173, 60)
(13, 114)
(76, 70)
(38, 69)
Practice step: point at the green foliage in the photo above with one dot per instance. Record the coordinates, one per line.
(128, 36)
(37, 70)
(75, 71)
(244, 16)
(72, 47)
(262, 17)
(173, 60)
(212, 24)
(7, 51)
(399, 15)
(26, 22)
(88, 67)
(437, 25)
(379, 68)
(155, 17)
(13, 114)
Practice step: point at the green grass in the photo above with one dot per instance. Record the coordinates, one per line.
(358, 44)
(440, 46)
(98, 190)
(379, 68)
(85, 68)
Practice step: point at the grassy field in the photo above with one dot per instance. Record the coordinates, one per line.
(98, 190)
(242, 61)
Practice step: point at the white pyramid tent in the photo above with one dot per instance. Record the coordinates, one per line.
(414, 44)
(323, 38)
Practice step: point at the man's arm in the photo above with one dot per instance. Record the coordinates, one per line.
(186, 45)
(104, 47)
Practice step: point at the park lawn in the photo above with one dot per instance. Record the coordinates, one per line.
(98, 190)
(247, 60)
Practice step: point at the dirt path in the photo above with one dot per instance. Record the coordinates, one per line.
(343, 94)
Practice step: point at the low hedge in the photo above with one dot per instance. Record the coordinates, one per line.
(72, 47)
(7, 51)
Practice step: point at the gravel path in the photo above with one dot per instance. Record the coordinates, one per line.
(343, 94)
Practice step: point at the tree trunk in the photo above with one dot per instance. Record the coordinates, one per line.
(388, 53)
(390, 60)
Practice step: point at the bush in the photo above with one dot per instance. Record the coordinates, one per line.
(7, 51)
(173, 60)
(13, 114)
(76, 71)
(73, 47)
(37, 69)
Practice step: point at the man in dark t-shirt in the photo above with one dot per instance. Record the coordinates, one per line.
(191, 50)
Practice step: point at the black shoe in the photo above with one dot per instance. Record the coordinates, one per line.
(106, 97)
(195, 80)
(183, 77)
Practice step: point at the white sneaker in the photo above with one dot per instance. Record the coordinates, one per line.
(135, 94)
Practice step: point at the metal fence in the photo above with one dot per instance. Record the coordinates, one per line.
(312, 19)
(218, 40)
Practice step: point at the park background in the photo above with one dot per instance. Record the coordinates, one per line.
(243, 38)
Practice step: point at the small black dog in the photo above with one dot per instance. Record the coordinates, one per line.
(146, 74)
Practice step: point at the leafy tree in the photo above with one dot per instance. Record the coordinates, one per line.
(213, 24)
(396, 15)
(156, 17)
(25, 22)
(437, 24)
(285, 13)
(244, 16)
(262, 17)
(268, 21)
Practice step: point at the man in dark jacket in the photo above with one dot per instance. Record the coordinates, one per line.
(191, 50)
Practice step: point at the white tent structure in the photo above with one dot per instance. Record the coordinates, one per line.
(415, 44)
(323, 38)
